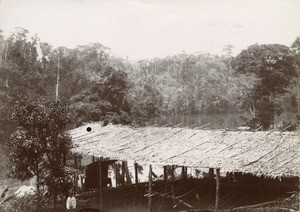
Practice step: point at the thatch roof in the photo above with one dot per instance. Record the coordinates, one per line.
(272, 153)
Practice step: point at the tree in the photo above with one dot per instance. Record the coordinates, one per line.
(227, 51)
(189, 84)
(104, 99)
(39, 143)
(45, 50)
(296, 43)
(274, 66)
(145, 99)
(19, 75)
(295, 88)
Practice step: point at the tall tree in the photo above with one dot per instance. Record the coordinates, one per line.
(144, 99)
(19, 74)
(295, 89)
(274, 66)
(104, 99)
(39, 143)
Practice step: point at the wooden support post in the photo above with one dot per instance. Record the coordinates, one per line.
(217, 189)
(173, 195)
(173, 169)
(299, 190)
(184, 172)
(127, 175)
(100, 186)
(150, 190)
(136, 175)
(211, 181)
(211, 173)
(123, 173)
(165, 174)
(116, 173)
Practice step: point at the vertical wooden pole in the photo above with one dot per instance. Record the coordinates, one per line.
(299, 191)
(173, 195)
(211, 173)
(150, 189)
(136, 175)
(127, 175)
(173, 169)
(123, 173)
(165, 174)
(217, 189)
(211, 181)
(100, 186)
(98, 183)
(116, 173)
(136, 183)
(184, 172)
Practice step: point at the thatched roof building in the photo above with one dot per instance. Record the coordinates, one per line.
(274, 154)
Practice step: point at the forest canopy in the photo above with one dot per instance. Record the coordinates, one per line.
(96, 85)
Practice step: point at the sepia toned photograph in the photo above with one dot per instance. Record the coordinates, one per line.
(149, 106)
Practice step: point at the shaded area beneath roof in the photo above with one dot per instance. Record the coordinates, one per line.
(199, 194)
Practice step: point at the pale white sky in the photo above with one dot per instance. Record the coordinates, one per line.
(155, 28)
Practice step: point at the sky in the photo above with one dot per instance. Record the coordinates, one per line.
(138, 29)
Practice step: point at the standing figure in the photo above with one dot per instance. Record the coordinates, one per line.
(71, 202)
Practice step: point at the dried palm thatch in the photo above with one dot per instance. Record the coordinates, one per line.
(274, 154)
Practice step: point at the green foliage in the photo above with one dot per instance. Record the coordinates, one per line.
(19, 75)
(274, 66)
(98, 86)
(104, 99)
(192, 84)
(22, 51)
(39, 144)
(296, 43)
(144, 97)
(32, 203)
(295, 84)
(291, 124)
(273, 63)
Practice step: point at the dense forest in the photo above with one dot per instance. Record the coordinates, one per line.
(95, 85)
